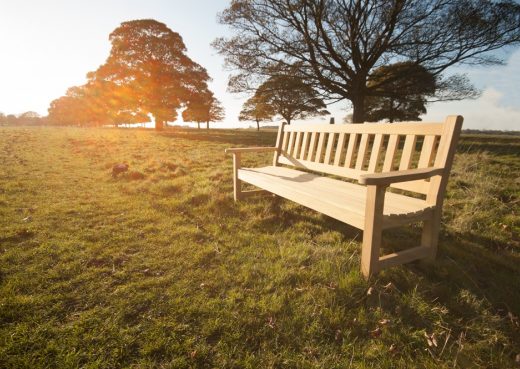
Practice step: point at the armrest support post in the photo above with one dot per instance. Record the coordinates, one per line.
(372, 232)
(237, 183)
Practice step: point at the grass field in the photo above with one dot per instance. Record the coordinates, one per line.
(161, 269)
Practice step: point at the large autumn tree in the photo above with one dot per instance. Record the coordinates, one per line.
(338, 44)
(290, 97)
(148, 62)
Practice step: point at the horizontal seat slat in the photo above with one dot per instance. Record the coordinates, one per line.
(341, 200)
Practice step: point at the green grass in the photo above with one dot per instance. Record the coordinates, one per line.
(161, 269)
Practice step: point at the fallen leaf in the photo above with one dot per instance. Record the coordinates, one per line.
(517, 359)
(431, 339)
(376, 332)
(388, 286)
(384, 322)
(193, 354)
(392, 349)
(370, 291)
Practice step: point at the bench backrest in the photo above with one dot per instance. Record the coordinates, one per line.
(351, 150)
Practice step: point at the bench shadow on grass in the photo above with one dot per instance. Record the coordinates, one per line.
(464, 262)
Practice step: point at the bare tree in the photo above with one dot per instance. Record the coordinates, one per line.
(337, 44)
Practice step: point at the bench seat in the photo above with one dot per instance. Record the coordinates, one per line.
(338, 199)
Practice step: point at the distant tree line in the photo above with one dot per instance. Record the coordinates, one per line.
(29, 118)
(147, 75)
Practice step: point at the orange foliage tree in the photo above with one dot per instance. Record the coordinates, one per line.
(150, 71)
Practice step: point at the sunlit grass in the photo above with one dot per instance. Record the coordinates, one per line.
(160, 268)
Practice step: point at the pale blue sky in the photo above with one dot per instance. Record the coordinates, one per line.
(49, 45)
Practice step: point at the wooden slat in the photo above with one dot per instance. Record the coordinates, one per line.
(323, 168)
(312, 146)
(394, 203)
(290, 149)
(362, 153)
(328, 150)
(297, 144)
(398, 258)
(279, 147)
(339, 149)
(348, 198)
(319, 150)
(285, 141)
(374, 156)
(391, 149)
(371, 128)
(305, 143)
(408, 151)
(352, 142)
(427, 151)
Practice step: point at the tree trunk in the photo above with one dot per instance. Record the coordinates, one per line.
(258, 125)
(207, 125)
(159, 125)
(198, 125)
(358, 104)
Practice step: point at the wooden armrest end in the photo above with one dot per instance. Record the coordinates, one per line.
(235, 150)
(388, 178)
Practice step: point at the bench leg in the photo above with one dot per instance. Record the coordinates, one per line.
(373, 230)
(430, 234)
(237, 183)
(370, 252)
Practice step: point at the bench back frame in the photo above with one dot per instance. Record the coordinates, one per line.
(351, 150)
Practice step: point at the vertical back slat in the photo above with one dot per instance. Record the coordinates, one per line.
(328, 150)
(350, 149)
(312, 146)
(279, 141)
(285, 142)
(319, 150)
(339, 149)
(374, 156)
(426, 152)
(305, 143)
(408, 150)
(391, 149)
(297, 144)
(290, 149)
(362, 153)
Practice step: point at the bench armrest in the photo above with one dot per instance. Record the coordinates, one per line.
(236, 150)
(388, 178)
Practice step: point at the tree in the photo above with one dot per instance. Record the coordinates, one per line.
(337, 45)
(3, 118)
(205, 108)
(256, 109)
(291, 98)
(148, 62)
(29, 118)
(11, 119)
(402, 92)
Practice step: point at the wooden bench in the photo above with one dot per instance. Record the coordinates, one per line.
(414, 157)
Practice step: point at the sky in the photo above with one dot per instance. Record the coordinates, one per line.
(47, 46)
